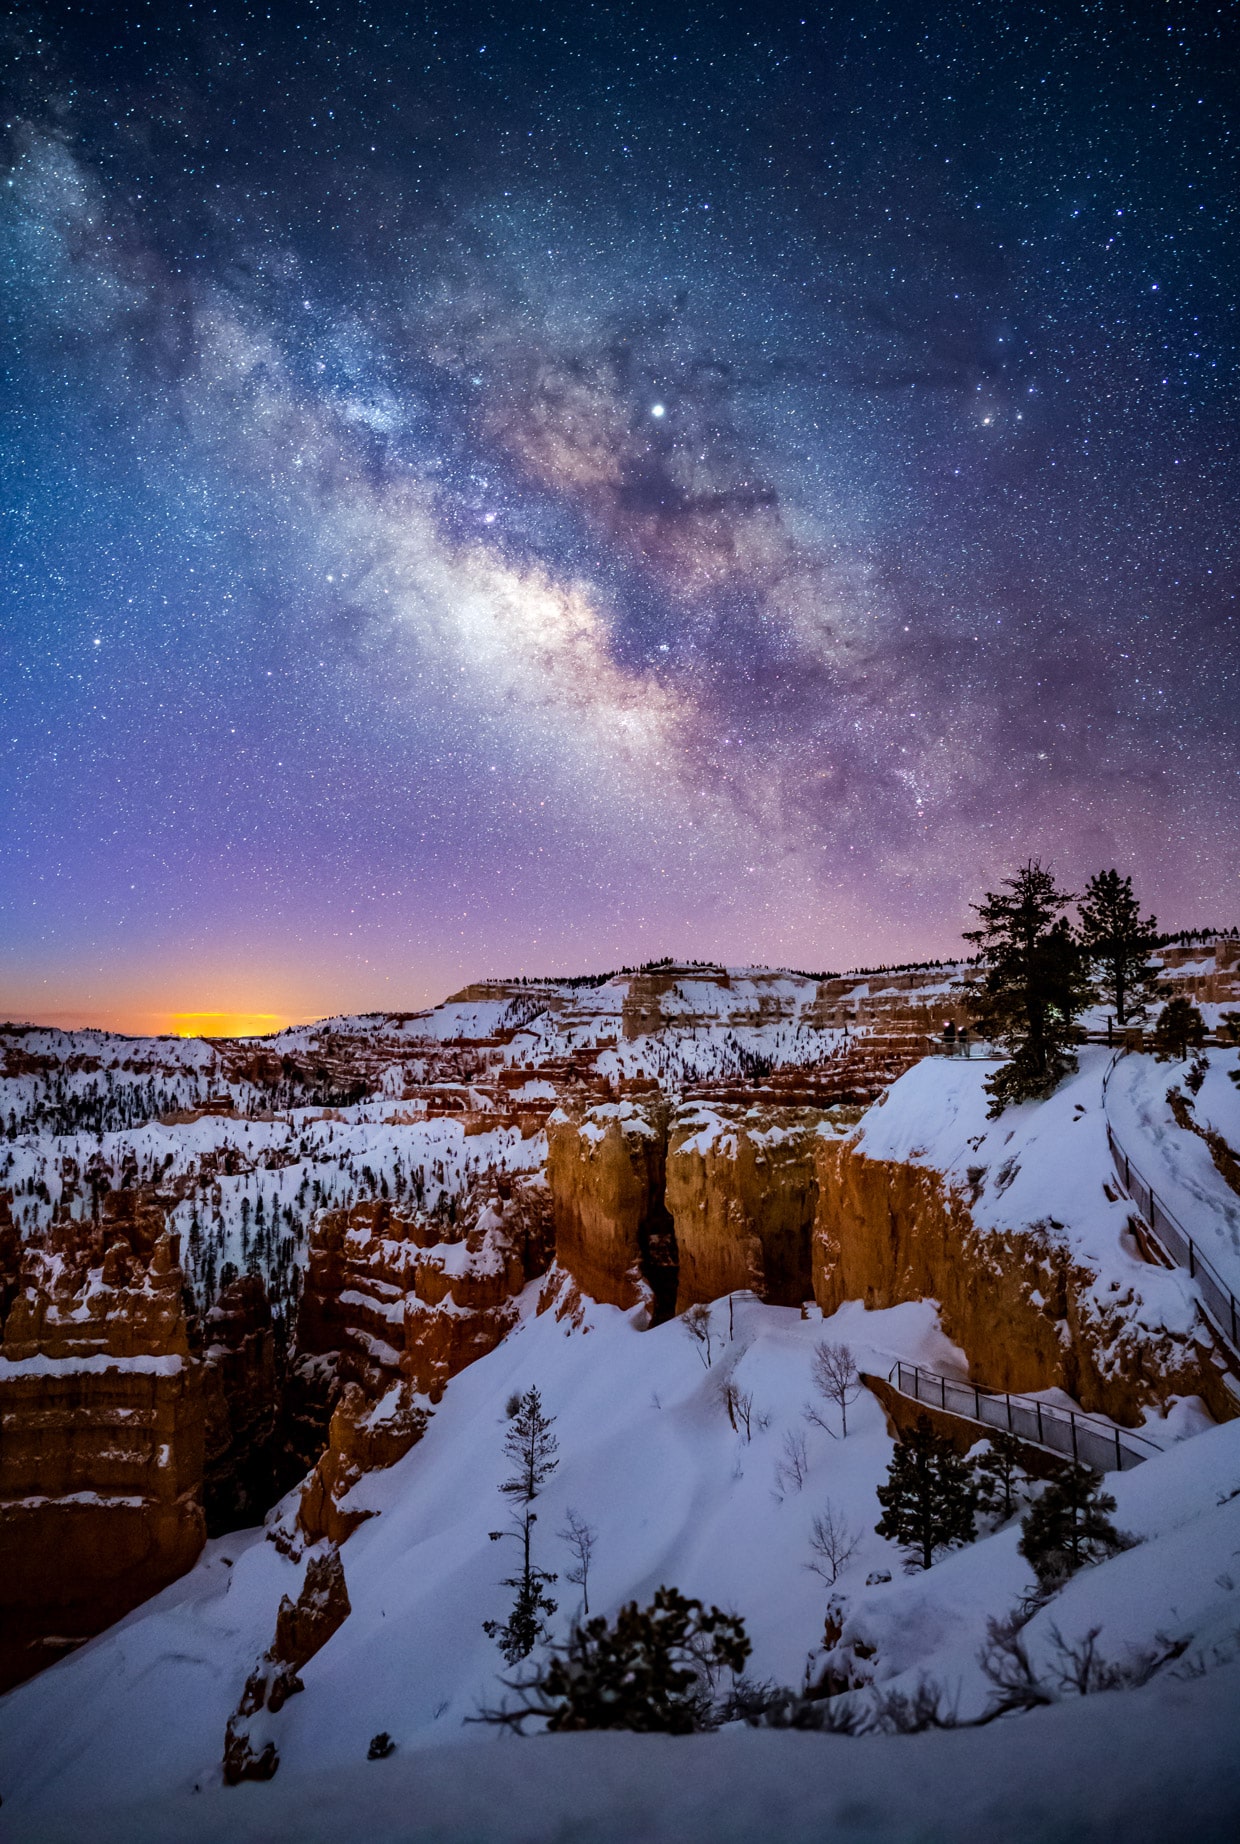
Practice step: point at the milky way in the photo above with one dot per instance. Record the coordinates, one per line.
(510, 489)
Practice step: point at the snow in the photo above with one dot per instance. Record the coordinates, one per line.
(1045, 1163)
(122, 1739)
(95, 1365)
(1148, 1767)
(1177, 1162)
(648, 1456)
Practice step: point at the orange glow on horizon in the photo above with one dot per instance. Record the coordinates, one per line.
(227, 1024)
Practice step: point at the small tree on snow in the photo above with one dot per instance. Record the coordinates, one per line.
(998, 1476)
(652, 1670)
(580, 1538)
(1068, 1526)
(738, 1403)
(929, 1501)
(834, 1543)
(531, 1446)
(696, 1322)
(792, 1470)
(836, 1380)
(1179, 1028)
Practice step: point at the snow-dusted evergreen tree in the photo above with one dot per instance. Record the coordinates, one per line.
(1033, 983)
(652, 1670)
(532, 1447)
(1068, 1526)
(929, 1501)
(999, 1476)
(1117, 942)
(1179, 1029)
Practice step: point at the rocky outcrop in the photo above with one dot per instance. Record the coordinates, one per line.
(396, 1303)
(1028, 1314)
(241, 1389)
(303, 1627)
(102, 1426)
(742, 1189)
(606, 1166)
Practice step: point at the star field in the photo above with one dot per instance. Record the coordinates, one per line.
(505, 489)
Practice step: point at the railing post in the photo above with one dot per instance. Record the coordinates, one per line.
(1192, 1259)
(1038, 1407)
(977, 1403)
(1119, 1463)
(1009, 1409)
(943, 1392)
(1072, 1419)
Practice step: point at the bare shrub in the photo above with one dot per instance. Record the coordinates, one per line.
(696, 1322)
(792, 1470)
(834, 1543)
(739, 1405)
(580, 1539)
(837, 1382)
(1075, 1668)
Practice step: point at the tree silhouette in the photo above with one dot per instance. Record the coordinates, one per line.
(531, 1446)
(929, 1501)
(1116, 943)
(1033, 983)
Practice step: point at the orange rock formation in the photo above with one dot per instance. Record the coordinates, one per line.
(101, 1412)
(613, 1234)
(1026, 1312)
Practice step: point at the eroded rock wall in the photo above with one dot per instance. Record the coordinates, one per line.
(395, 1305)
(101, 1433)
(1028, 1315)
(245, 1467)
(742, 1190)
(606, 1166)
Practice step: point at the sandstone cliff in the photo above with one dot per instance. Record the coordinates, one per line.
(397, 1303)
(1058, 1295)
(742, 1189)
(606, 1166)
(101, 1413)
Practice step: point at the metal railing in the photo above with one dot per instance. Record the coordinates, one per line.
(1219, 1301)
(1065, 1432)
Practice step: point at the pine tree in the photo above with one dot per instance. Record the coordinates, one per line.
(652, 1670)
(1069, 1526)
(1116, 942)
(929, 1501)
(999, 1475)
(531, 1446)
(1180, 1028)
(1033, 984)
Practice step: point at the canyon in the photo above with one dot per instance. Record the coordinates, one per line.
(236, 1281)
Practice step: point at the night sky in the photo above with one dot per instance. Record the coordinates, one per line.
(523, 489)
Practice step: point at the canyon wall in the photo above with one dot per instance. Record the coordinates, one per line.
(781, 1201)
(606, 1166)
(742, 1190)
(396, 1304)
(101, 1433)
(1028, 1315)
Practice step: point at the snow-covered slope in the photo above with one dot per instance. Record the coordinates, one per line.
(648, 1456)
(1175, 1156)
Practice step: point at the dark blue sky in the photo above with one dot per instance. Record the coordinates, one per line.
(524, 489)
